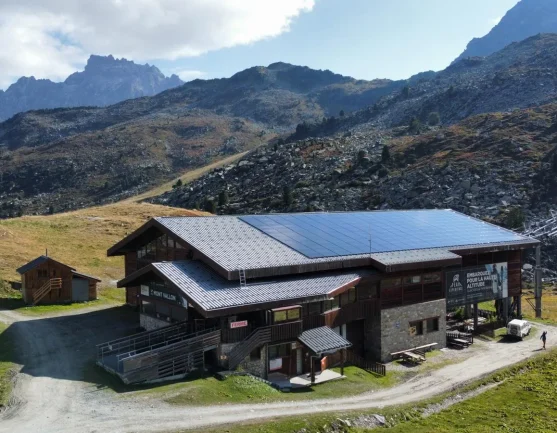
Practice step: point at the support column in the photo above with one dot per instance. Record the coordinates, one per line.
(519, 306)
(505, 302)
(312, 362)
(342, 362)
(475, 317)
(538, 282)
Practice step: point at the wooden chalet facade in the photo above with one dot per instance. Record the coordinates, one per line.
(47, 281)
(266, 307)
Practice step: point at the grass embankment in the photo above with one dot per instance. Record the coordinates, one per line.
(522, 402)
(79, 239)
(245, 389)
(7, 364)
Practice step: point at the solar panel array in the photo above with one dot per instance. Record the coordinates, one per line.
(318, 235)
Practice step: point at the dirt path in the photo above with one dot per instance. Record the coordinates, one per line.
(54, 396)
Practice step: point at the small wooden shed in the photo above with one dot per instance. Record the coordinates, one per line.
(45, 280)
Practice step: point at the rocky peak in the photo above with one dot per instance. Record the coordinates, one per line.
(527, 18)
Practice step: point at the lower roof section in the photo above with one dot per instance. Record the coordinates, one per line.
(397, 261)
(323, 340)
(210, 292)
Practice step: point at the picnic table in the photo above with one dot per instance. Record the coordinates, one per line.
(411, 355)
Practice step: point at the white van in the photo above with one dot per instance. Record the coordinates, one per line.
(518, 328)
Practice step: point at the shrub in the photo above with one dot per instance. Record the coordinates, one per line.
(223, 198)
(361, 155)
(434, 119)
(210, 206)
(341, 113)
(287, 197)
(415, 125)
(385, 154)
(405, 92)
(515, 218)
(178, 183)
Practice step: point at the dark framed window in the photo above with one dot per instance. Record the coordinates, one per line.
(348, 297)
(412, 279)
(148, 307)
(331, 304)
(433, 324)
(416, 328)
(279, 351)
(43, 273)
(390, 283)
(286, 315)
(432, 278)
(314, 308)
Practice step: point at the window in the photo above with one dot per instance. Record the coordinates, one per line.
(163, 309)
(413, 279)
(279, 351)
(255, 354)
(286, 315)
(416, 328)
(348, 297)
(331, 304)
(389, 283)
(314, 308)
(43, 273)
(432, 278)
(148, 307)
(433, 324)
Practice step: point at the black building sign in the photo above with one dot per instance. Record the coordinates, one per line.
(154, 291)
(477, 284)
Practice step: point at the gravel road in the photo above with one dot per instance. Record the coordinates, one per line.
(54, 393)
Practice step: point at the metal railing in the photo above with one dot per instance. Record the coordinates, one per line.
(46, 288)
(364, 364)
(256, 339)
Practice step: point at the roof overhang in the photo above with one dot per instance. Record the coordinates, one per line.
(323, 340)
(399, 261)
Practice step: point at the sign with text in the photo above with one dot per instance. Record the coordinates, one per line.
(240, 324)
(477, 284)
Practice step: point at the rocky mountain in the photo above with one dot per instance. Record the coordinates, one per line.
(527, 18)
(495, 166)
(521, 75)
(104, 81)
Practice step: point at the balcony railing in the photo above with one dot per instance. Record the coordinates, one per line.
(286, 331)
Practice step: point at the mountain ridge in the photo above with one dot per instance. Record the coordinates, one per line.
(104, 81)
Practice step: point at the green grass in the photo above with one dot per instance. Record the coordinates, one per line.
(7, 364)
(107, 296)
(523, 402)
(245, 389)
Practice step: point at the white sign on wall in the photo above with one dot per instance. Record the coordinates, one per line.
(239, 324)
(275, 364)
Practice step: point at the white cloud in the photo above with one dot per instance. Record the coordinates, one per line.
(50, 38)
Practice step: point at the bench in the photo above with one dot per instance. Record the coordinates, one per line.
(410, 355)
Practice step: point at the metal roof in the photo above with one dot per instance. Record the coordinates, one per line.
(415, 258)
(211, 292)
(87, 277)
(37, 262)
(323, 340)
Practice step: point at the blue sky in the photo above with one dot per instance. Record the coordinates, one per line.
(216, 38)
(365, 39)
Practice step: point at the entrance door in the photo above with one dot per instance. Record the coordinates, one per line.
(80, 289)
(299, 362)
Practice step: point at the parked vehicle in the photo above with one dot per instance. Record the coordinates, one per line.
(518, 328)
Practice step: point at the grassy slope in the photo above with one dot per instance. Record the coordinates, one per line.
(242, 389)
(522, 402)
(79, 239)
(6, 365)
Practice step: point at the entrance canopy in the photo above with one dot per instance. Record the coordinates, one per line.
(323, 340)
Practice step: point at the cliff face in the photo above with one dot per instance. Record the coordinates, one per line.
(527, 18)
(104, 81)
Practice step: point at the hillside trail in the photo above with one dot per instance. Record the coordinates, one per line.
(52, 395)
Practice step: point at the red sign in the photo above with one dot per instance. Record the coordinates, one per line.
(240, 324)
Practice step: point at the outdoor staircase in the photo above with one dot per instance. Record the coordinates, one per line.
(164, 354)
(256, 339)
(50, 285)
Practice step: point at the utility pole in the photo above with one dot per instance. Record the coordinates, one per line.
(538, 282)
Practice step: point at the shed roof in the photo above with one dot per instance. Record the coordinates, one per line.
(85, 276)
(37, 262)
(323, 340)
(209, 291)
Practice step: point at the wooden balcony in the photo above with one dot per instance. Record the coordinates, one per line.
(355, 311)
(286, 331)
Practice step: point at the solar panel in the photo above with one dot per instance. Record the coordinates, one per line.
(318, 235)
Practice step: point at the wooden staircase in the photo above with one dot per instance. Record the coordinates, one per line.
(52, 284)
(256, 339)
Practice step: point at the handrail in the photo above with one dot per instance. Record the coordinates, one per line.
(369, 366)
(51, 284)
(257, 338)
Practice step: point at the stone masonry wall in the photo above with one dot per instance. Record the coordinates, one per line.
(395, 327)
(150, 323)
(255, 367)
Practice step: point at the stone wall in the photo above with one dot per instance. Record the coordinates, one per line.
(255, 367)
(151, 323)
(395, 327)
